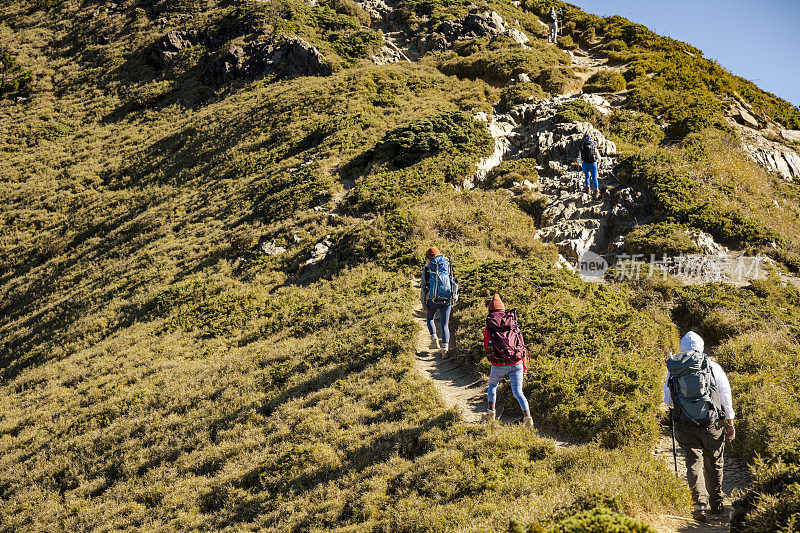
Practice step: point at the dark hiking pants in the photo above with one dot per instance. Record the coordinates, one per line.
(703, 448)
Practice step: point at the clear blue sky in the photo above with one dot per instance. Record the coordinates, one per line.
(757, 40)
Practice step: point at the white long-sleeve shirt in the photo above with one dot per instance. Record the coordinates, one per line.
(723, 386)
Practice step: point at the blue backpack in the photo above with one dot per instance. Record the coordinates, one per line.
(441, 286)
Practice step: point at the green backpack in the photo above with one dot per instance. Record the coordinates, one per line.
(694, 390)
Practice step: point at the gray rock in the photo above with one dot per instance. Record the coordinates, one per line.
(744, 117)
(473, 26)
(271, 249)
(791, 135)
(292, 57)
(171, 44)
(296, 57)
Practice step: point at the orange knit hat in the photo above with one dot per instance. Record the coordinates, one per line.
(432, 252)
(496, 304)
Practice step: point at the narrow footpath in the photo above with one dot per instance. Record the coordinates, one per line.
(460, 386)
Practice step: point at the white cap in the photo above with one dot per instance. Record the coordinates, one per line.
(692, 341)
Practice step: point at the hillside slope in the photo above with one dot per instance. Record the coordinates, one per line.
(211, 213)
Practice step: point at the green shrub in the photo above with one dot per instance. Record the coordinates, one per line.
(578, 111)
(601, 520)
(499, 66)
(773, 504)
(661, 238)
(559, 80)
(359, 44)
(605, 81)
(635, 128)
(447, 132)
(676, 197)
(519, 93)
(567, 43)
(13, 78)
(507, 173)
(414, 158)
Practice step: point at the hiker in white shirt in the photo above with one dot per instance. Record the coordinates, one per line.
(703, 447)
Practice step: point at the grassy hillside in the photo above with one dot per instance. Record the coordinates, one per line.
(160, 372)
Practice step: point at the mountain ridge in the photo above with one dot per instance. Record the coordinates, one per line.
(204, 302)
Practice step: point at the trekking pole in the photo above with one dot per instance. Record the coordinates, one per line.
(674, 451)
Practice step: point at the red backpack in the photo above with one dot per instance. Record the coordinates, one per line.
(506, 344)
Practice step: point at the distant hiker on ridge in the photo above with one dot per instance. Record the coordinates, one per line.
(505, 349)
(438, 292)
(552, 23)
(699, 394)
(588, 158)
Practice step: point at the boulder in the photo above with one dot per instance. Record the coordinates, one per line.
(296, 57)
(518, 36)
(228, 67)
(171, 44)
(291, 57)
(791, 135)
(743, 117)
(473, 26)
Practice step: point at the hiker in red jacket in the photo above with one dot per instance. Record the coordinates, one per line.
(505, 349)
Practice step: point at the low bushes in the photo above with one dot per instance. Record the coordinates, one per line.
(774, 502)
(13, 78)
(660, 238)
(578, 111)
(676, 197)
(499, 66)
(636, 128)
(519, 94)
(605, 81)
(416, 157)
(507, 173)
(595, 361)
(559, 80)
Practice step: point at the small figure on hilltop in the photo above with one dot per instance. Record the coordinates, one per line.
(552, 23)
(438, 292)
(702, 419)
(505, 349)
(588, 158)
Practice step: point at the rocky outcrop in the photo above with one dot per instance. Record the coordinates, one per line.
(401, 43)
(572, 220)
(775, 156)
(473, 26)
(166, 48)
(296, 57)
(289, 58)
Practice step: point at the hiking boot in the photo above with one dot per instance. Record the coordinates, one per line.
(699, 513)
(596, 194)
(434, 342)
(717, 508)
(488, 416)
(527, 422)
(445, 347)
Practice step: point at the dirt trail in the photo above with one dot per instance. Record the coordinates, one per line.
(461, 387)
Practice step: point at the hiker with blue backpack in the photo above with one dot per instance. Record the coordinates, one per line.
(701, 411)
(438, 292)
(506, 351)
(588, 159)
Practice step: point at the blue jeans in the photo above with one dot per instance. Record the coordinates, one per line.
(515, 373)
(444, 315)
(590, 170)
